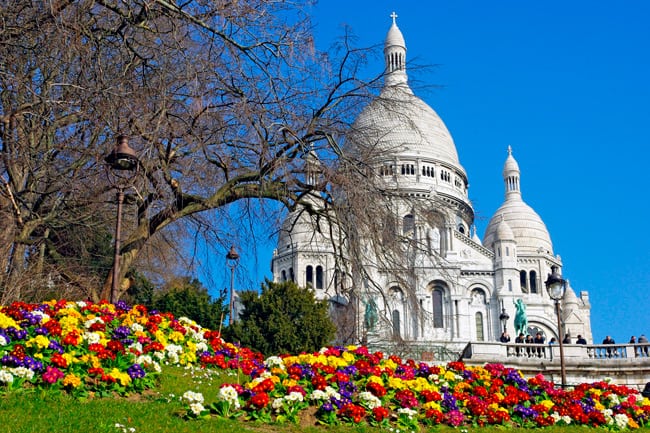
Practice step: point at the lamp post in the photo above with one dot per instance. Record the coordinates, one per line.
(121, 161)
(232, 257)
(556, 287)
(504, 317)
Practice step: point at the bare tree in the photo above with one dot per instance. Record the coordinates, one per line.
(221, 99)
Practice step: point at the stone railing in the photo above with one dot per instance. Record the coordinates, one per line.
(624, 363)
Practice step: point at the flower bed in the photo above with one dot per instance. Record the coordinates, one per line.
(102, 349)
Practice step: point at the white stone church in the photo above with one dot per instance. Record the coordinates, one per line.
(461, 286)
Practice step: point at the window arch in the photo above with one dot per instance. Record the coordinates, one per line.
(523, 281)
(478, 319)
(319, 277)
(533, 282)
(291, 275)
(396, 324)
(309, 275)
(408, 224)
(437, 298)
(284, 275)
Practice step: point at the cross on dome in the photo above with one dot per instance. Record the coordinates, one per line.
(393, 16)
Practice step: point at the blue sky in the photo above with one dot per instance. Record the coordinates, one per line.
(565, 83)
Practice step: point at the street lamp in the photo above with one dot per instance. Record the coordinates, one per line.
(232, 257)
(504, 317)
(123, 162)
(556, 287)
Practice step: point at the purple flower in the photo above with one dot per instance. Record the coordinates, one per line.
(56, 346)
(121, 332)
(135, 371)
(32, 364)
(41, 330)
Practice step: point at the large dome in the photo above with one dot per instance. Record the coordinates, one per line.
(397, 121)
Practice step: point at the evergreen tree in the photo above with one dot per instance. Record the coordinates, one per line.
(187, 297)
(283, 318)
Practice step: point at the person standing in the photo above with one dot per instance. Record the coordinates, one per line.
(609, 340)
(567, 339)
(539, 339)
(643, 340)
(505, 337)
(581, 340)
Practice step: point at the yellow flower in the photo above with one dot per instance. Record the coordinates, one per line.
(176, 337)
(69, 356)
(7, 322)
(376, 379)
(432, 405)
(72, 380)
(389, 363)
(396, 383)
(351, 348)
(40, 341)
(161, 337)
(289, 382)
(38, 355)
(349, 357)
(121, 377)
(547, 404)
(598, 405)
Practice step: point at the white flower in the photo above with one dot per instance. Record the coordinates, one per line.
(229, 394)
(370, 399)
(294, 396)
(319, 395)
(90, 322)
(6, 377)
(274, 362)
(193, 397)
(81, 304)
(23, 372)
(621, 420)
(406, 411)
(331, 392)
(277, 404)
(613, 399)
(201, 347)
(3, 341)
(196, 408)
(92, 337)
(136, 327)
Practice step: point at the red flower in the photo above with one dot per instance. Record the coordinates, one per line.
(376, 389)
(259, 400)
(353, 412)
(319, 382)
(379, 413)
(58, 360)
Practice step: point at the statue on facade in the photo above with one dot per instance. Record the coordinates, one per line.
(521, 321)
(370, 316)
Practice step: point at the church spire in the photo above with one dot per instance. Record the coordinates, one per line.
(511, 176)
(395, 55)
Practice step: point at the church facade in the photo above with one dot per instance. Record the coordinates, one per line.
(460, 288)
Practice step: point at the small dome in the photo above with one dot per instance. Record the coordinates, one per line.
(527, 227)
(511, 165)
(394, 37)
(504, 232)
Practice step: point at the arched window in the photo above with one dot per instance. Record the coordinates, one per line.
(438, 319)
(510, 285)
(523, 281)
(533, 282)
(284, 275)
(319, 277)
(461, 228)
(408, 224)
(309, 275)
(396, 324)
(478, 317)
(507, 251)
(291, 275)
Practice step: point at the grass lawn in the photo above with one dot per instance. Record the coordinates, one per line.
(158, 410)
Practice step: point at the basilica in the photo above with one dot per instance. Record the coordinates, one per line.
(461, 288)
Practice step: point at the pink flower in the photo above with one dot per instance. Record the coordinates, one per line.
(52, 374)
